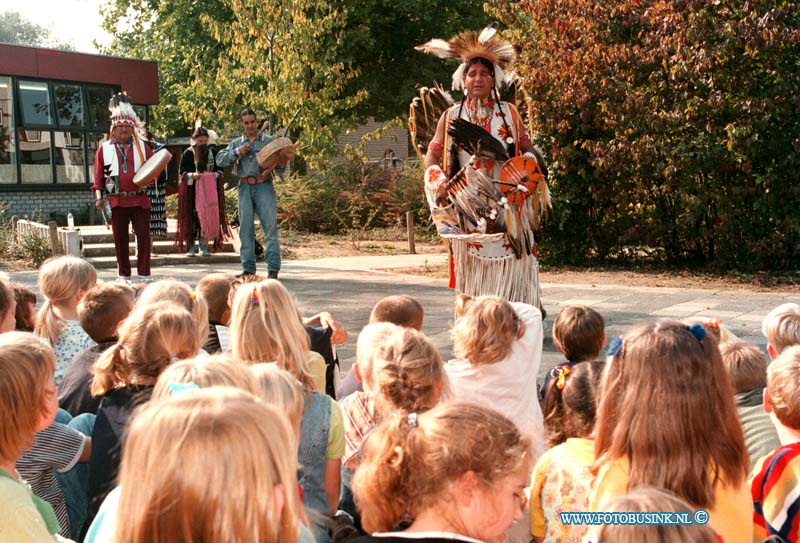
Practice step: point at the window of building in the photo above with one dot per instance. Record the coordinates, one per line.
(69, 105)
(34, 97)
(8, 149)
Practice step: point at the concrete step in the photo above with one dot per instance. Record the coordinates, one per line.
(104, 262)
(93, 249)
(95, 236)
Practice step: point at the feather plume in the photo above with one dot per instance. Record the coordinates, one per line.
(437, 47)
(423, 116)
(488, 31)
(476, 141)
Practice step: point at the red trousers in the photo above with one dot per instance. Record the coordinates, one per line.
(121, 217)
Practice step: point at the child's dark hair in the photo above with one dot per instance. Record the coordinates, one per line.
(579, 332)
(24, 296)
(571, 403)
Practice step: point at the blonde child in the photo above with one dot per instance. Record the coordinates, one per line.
(781, 327)
(716, 327)
(648, 499)
(266, 327)
(169, 290)
(498, 349)
(279, 388)
(8, 305)
(212, 465)
(152, 337)
(63, 281)
(747, 368)
(27, 405)
(569, 421)
(578, 334)
(777, 476)
(457, 472)
(218, 370)
(667, 418)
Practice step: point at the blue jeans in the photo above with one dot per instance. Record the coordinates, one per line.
(75, 482)
(258, 199)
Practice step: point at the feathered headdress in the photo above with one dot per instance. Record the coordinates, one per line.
(122, 114)
(472, 44)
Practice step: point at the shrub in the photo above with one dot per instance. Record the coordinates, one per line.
(673, 128)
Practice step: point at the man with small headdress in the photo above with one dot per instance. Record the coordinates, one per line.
(115, 164)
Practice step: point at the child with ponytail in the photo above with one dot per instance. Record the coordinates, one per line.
(569, 422)
(152, 337)
(667, 418)
(63, 281)
(266, 328)
(455, 473)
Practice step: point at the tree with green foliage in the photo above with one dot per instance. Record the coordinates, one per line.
(673, 127)
(17, 30)
(336, 63)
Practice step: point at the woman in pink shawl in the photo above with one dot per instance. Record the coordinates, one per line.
(201, 198)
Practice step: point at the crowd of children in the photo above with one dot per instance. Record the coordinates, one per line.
(134, 416)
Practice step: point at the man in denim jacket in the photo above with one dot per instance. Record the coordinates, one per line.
(256, 194)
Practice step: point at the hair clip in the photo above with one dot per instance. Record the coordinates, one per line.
(179, 388)
(561, 375)
(714, 325)
(193, 295)
(119, 346)
(698, 331)
(254, 296)
(615, 347)
(412, 420)
(173, 357)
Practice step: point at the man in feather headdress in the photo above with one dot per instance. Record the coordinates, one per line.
(115, 164)
(485, 59)
(485, 181)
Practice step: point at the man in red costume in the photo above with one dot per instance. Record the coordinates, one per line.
(115, 164)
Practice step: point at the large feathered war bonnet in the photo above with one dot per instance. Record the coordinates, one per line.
(122, 113)
(470, 45)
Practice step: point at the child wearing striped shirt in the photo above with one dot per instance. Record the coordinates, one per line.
(776, 485)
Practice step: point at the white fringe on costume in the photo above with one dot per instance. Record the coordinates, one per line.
(511, 278)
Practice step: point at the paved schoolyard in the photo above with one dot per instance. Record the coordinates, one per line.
(348, 287)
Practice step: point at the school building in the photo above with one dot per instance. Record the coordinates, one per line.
(53, 116)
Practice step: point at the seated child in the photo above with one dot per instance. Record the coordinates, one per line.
(280, 389)
(653, 500)
(27, 405)
(169, 290)
(569, 422)
(747, 368)
(400, 310)
(578, 334)
(151, 338)
(210, 465)
(101, 312)
(499, 350)
(25, 313)
(715, 327)
(324, 332)
(219, 370)
(7, 305)
(777, 478)
(266, 327)
(781, 327)
(63, 280)
(215, 287)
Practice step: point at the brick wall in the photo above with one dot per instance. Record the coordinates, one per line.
(43, 204)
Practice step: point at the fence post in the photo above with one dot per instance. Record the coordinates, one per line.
(54, 250)
(410, 232)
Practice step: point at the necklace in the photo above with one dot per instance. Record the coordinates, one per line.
(479, 111)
